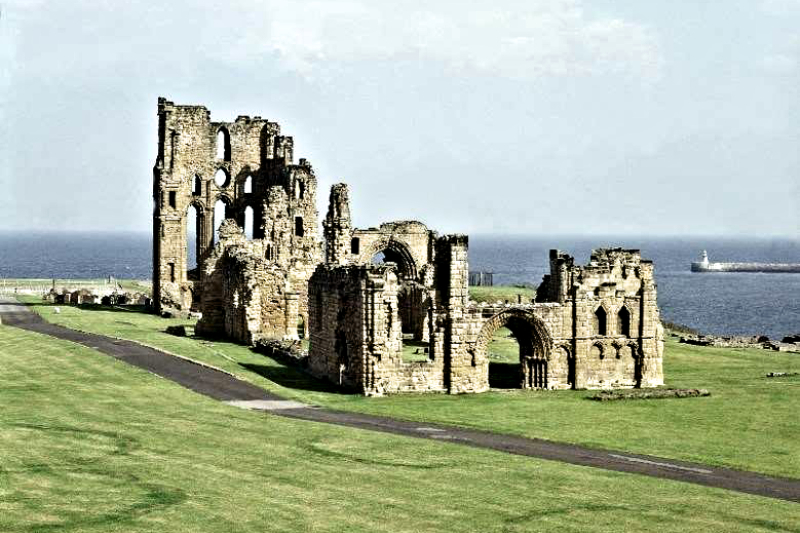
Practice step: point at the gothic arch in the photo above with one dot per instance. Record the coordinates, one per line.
(534, 340)
(406, 266)
(600, 321)
(624, 316)
(516, 319)
(223, 144)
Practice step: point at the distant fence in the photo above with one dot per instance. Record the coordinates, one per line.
(481, 279)
(43, 286)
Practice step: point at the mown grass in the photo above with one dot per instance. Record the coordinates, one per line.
(90, 444)
(501, 293)
(749, 421)
(503, 347)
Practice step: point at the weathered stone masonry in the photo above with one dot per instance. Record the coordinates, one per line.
(595, 326)
(246, 164)
(592, 326)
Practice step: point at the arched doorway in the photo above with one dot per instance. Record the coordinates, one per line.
(515, 346)
(411, 295)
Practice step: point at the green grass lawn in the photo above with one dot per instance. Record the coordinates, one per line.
(90, 444)
(503, 348)
(414, 351)
(750, 421)
(501, 293)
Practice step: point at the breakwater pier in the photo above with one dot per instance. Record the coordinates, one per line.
(704, 265)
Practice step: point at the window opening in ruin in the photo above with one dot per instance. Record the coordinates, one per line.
(298, 226)
(221, 178)
(220, 213)
(268, 253)
(355, 244)
(599, 321)
(173, 199)
(193, 230)
(248, 222)
(301, 327)
(410, 299)
(172, 272)
(223, 145)
(198, 186)
(624, 322)
(248, 185)
(300, 190)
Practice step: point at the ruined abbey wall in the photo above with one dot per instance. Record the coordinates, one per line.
(611, 317)
(356, 326)
(239, 168)
(592, 326)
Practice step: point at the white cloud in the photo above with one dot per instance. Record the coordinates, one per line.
(536, 38)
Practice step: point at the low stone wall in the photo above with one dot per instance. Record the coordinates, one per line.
(761, 342)
(648, 394)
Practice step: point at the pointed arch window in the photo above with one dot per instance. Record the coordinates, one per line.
(223, 145)
(600, 320)
(624, 322)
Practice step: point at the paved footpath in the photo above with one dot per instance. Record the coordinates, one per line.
(225, 387)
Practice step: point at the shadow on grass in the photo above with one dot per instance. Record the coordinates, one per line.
(292, 378)
(504, 375)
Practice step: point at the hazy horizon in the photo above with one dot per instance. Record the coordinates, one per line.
(572, 236)
(542, 117)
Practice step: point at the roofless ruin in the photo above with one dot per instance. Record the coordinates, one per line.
(265, 275)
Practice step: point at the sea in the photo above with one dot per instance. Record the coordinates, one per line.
(729, 303)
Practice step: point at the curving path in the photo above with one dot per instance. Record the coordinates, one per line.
(225, 387)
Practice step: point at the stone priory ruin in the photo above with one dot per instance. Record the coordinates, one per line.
(266, 274)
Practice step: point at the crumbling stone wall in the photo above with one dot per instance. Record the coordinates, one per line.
(610, 317)
(244, 288)
(356, 330)
(254, 166)
(408, 244)
(593, 326)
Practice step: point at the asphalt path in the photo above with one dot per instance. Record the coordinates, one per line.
(225, 387)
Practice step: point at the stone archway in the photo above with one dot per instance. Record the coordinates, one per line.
(394, 251)
(534, 340)
(412, 294)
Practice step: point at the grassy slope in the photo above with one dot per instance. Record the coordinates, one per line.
(501, 293)
(91, 444)
(749, 422)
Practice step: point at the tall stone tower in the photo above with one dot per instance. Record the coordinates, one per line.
(242, 169)
(337, 226)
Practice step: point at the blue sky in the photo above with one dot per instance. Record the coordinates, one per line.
(527, 117)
